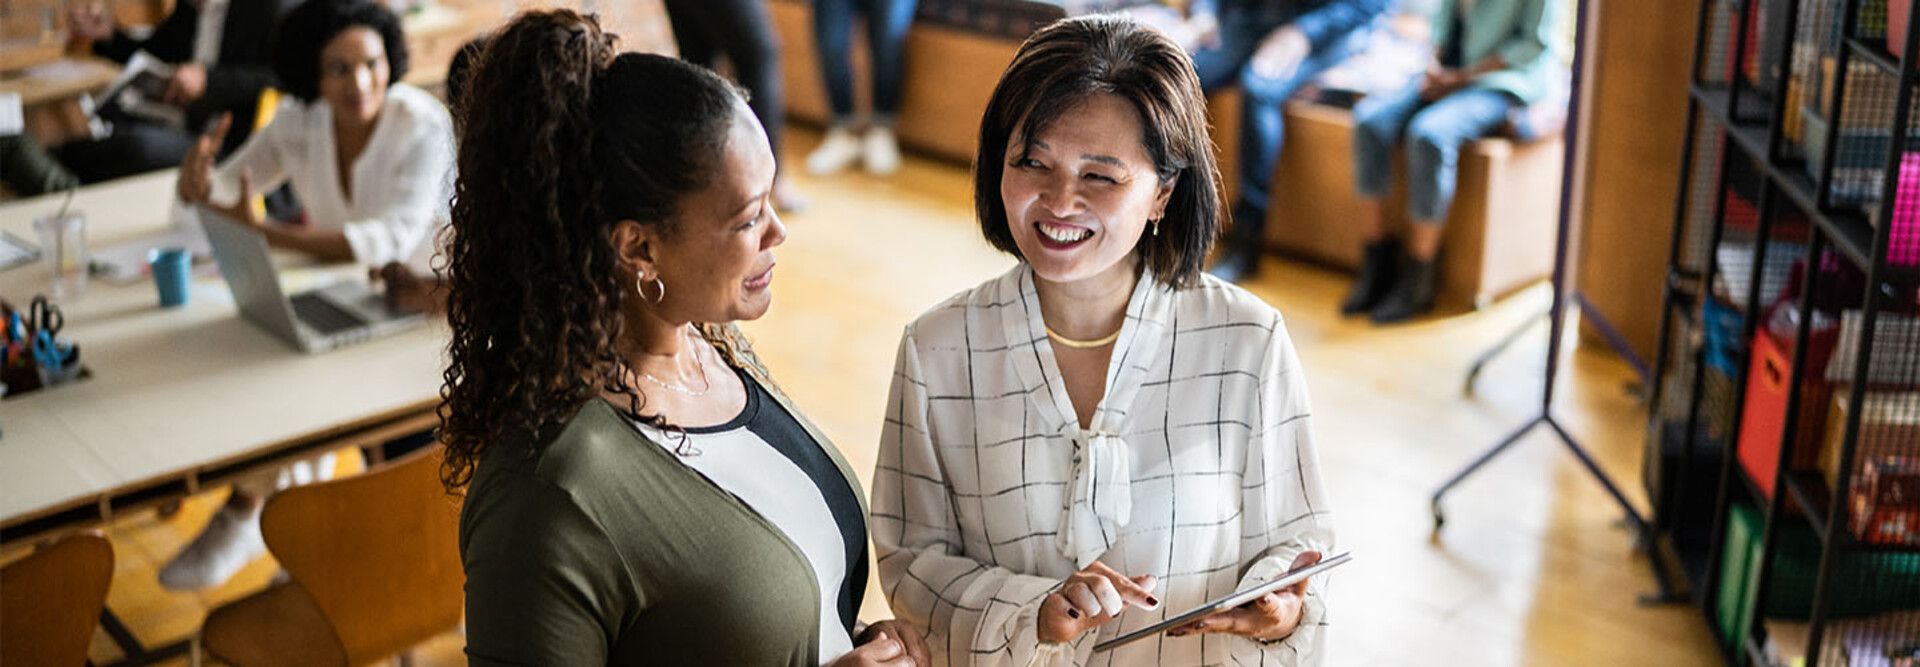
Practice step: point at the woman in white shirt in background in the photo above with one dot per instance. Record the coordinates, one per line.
(371, 162)
(369, 158)
(1104, 436)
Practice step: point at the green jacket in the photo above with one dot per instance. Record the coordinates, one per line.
(1529, 35)
(599, 547)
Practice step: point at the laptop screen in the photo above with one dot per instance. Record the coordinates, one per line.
(248, 269)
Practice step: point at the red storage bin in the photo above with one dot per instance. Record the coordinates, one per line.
(1765, 415)
(1897, 25)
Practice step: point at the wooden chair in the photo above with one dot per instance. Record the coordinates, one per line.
(51, 601)
(374, 565)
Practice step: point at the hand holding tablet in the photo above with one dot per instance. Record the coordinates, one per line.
(1229, 604)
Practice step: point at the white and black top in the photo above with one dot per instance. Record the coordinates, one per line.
(765, 457)
(1198, 468)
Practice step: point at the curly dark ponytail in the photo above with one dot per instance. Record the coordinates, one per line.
(559, 139)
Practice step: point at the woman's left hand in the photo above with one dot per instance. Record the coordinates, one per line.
(908, 636)
(1272, 616)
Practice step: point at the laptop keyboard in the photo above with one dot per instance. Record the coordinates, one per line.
(322, 315)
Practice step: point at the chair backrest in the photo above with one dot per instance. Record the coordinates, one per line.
(378, 552)
(51, 600)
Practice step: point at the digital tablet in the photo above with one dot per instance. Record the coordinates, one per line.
(1235, 599)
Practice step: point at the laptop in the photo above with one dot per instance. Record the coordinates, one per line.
(322, 319)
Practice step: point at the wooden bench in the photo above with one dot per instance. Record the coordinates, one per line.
(1499, 235)
(1500, 232)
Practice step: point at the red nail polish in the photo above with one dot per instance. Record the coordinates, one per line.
(1152, 601)
(1073, 613)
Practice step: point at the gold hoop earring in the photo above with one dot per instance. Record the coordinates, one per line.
(640, 285)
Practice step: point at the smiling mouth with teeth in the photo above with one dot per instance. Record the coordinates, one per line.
(1063, 234)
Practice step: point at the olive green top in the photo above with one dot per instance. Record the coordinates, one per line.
(600, 548)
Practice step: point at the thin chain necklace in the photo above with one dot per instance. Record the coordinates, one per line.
(681, 388)
(1102, 341)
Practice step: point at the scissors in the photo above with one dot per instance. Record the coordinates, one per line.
(44, 321)
(52, 354)
(43, 316)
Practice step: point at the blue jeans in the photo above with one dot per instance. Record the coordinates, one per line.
(1261, 122)
(887, 22)
(1434, 133)
(742, 31)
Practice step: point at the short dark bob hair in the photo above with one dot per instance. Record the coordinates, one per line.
(306, 29)
(1074, 59)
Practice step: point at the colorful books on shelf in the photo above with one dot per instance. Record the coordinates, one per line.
(1889, 427)
(1886, 504)
(1896, 350)
(1864, 130)
(1872, 23)
(1886, 640)
(1736, 258)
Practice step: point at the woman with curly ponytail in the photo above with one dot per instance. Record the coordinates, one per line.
(637, 489)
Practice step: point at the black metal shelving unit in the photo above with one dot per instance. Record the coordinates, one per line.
(1770, 121)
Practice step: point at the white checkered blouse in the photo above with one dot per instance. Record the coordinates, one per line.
(1198, 468)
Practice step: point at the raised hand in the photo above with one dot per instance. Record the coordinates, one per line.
(196, 170)
(196, 177)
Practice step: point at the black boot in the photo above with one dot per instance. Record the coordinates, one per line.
(1412, 294)
(1377, 272)
(1240, 259)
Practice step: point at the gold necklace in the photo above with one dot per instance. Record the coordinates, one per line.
(1102, 341)
(683, 388)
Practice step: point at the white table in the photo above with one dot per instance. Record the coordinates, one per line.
(184, 398)
(59, 79)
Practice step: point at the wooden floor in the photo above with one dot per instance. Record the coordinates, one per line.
(1533, 567)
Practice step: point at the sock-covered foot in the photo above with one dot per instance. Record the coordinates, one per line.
(881, 151)
(230, 541)
(836, 152)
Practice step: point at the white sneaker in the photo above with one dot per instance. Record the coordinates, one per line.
(882, 151)
(836, 152)
(231, 540)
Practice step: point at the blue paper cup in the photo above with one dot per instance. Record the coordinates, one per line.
(172, 268)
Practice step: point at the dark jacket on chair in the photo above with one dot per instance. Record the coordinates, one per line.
(235, 80)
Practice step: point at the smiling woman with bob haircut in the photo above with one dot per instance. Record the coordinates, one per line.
(1103, 436)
